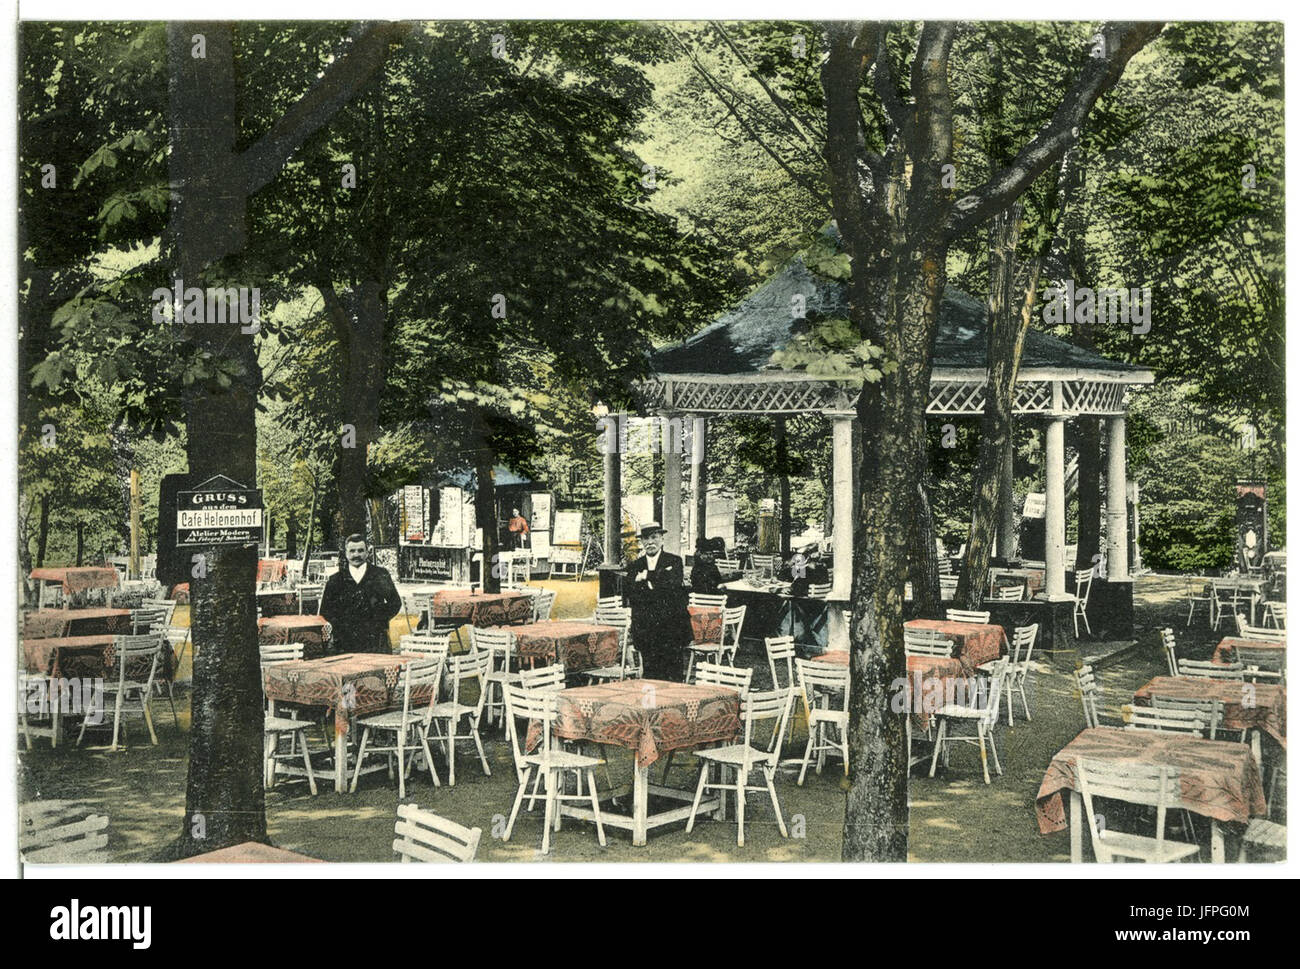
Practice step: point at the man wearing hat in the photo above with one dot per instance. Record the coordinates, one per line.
(661, 627)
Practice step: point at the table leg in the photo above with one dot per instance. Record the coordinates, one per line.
(340, 761)
(1076, 828)
(640, 804)
(1216, 843)
(56, 708)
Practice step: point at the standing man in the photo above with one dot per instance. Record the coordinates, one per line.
(359, 601)
(518, 526)
(661, 627)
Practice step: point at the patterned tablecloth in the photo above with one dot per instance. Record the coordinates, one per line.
(976, 643)
(650, 717)
(271, 570)
(79, 579)
(278, 602)
(56, 623)
(250, 852)
(73, 657)
(312, 631)
(1225, 654)
(350, 684)
(1246, 706)
(577, 645)
(706, 624)
(931, 682)
(1030, 579)
(1216, 778)
(482, 608)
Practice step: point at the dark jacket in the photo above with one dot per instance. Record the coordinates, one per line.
(359, 613)
(661, 626)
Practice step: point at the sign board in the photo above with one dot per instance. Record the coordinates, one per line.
(450, 530)
(568, 528)
(219, 512)
(541, 512)
(413, 502)
(1035, 505)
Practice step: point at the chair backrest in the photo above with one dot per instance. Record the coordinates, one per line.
(945, 565)
(270, 653)
(613, 615)
(468, 666)
(1256, 632)
(765, 714)
(523, 704)
(780, 650)
(947, 585)
(1209, 710)
(147, 618)
(543, 603)
(926, 642)
(500, 640)
(765, 563)
(309, 592)
(1022, 645)
(1149, 785)
(64, 843)
(604, 601)
(829, 680)
(132, 652)
(543, 677)
(715, 674)
(1204, 669)
(707, 601)
(1010, 593)
(967, 615)
(428, 643)
(1170, 648)
(733, 620)
(1174, 721)
(419, 680)
(1278, 611)
(1089, 695)
(1254, 659)
(1083, 585)
(424, 836)
(167, 605)
(987, 702)
(728, 565)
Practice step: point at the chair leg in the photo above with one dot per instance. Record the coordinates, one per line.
(519, 799)
(306, 762)
(361, 756)
(740, 807)
(993, 747)
(769, 775)
(699, 792)
(428, 756)
(148, 716)
(595, 803)
(984, 755)
(478, 742)
(117, 719)
(938, 743)
(550, 809)
(807, 755)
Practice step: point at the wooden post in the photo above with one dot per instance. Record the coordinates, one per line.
(782, 464)
(1116, 502)
(671, 443)
(612, 445)
(699, 477)
(1054, 524)
(135, 524)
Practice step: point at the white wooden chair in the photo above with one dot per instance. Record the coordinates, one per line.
(274, 728)
(1170, 647)
(1263, 833)
(707, 601)
(1082, 590)
(982, 717)
(1225, 596)
(459, 671)
(543, 604)
(1209, 710)
(543, 678)
(504, 668)
(155, 616)
(136, 658)
(427, 643)
(926, 642)
(818, 590)
(780, 663)
(733, 621)
(1205, 670)
(765, 715)
(424, 836)
(1275, 612)
(1268, 665)
(765, 564)
(1010, 593)
(825, 693)
(1262, 633)
(1171, 721)
(1018, 666)
(728, 565)
(49, 842)
(727, 642)
(947, 586)
(1144, 784)
(309, 592)
(1085, 679)
(715, 674)
(629, 664)
(968, 615)
(409, 725)
(1195, 591)
(549, 763)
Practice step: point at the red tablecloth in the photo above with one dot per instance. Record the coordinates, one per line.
(976, 643)
(271, 570)
(181, 593)
(706, 624)
(52, 623)
(833, 657)
(1218, 779)
(79, 579)
(312, 631)
(1225, 654)
(577, 645)
(650, 717)
(350, 684)
(250, 852)
(1246, 706)
(278, 602)
(482, 609)
(73, 657)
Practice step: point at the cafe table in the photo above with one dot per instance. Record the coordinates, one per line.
(248, 853)
(1225, 654)
(576, 645)
(76, 579)
(974, 643)
(1249, 707)
(278, 602)
(349, 685)
(650, 718)
(94, 621)
(1217, 779)
(313, 632)
(482, 609)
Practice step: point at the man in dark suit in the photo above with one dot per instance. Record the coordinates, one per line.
(358, 602)
(661, 627)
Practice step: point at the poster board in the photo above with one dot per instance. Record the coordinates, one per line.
(1035, 505)
(568, 528)
(414, 504)
(450, 530)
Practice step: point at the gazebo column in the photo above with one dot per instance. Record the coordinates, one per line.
(842, 503)
(672, 449)
(613, 438)
(1116, 502)
(1054, 523)
(699, 468)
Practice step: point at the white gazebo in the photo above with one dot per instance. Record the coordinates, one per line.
(725, 369)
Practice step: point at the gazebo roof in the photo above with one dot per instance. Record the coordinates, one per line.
(727, 366)
(743, 339)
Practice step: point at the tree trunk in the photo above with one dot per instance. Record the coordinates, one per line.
(783, 470)
(291, 538)
(43, 530)
(1087, 441)
(485, 512)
